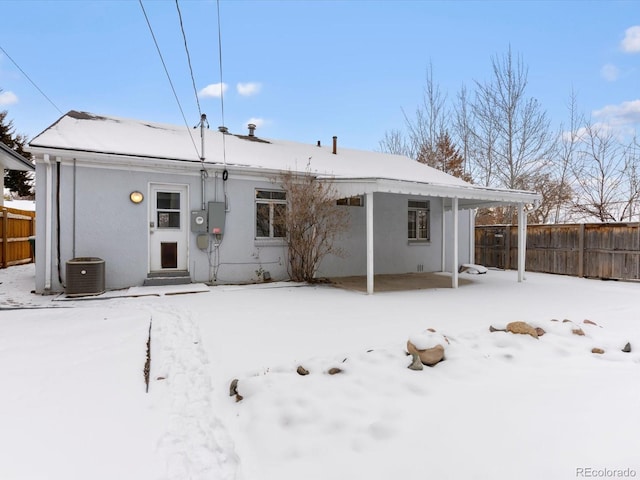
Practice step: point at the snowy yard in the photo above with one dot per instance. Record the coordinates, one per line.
(501, 406)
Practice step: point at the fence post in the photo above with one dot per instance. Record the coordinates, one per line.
(581, 251)
(5, 234)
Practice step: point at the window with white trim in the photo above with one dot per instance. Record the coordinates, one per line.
(356, 201)
(271, 208)
(418, 220)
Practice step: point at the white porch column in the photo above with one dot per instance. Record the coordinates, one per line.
(48, 226)
(369, 208)
(472, 236)
(454, 262)
(522, 241)
(443, 250)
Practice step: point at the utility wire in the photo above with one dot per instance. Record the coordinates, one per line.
(186, 48)
(169, 78)
(32, 82)
(224, 148)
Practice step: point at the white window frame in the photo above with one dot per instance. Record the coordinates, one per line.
(271, 198)
(416, 208)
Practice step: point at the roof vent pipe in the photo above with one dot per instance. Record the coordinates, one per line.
(252, 129)
(335, 145)
(319, 143)
(223, 129)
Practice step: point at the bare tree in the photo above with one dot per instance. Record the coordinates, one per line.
(564, 159)
(430, 122)
(553, 192)
(312, 221)
(604, 176)
(512, 128)
(424, 130)
(632, 180)
(395, 142)
(463, 130)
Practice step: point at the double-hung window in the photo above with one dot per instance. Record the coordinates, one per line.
(418, 220)
(271, 208)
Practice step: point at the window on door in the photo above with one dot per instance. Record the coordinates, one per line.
(168, 209)
(271, 208)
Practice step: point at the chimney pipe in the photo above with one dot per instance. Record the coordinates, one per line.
(319, 143)
(335, 145)
(252, 129)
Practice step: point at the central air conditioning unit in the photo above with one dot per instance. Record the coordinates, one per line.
(85, 276)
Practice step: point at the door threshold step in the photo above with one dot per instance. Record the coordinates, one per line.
(157, 280)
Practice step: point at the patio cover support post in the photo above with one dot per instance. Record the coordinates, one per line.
(443, 261)
(369, 208)
(454, 262)
(522, 241)
(47, 223)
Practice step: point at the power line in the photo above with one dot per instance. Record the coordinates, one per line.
(186, 48)
(220, 62)
(224, 145)
(32, 82)
(169, 78)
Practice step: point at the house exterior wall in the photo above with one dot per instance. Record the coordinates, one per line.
(97, 219)
(393, 252)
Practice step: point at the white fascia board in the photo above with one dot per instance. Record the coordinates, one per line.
(149, 164)
(471, 196)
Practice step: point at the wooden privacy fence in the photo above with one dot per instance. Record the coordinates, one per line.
(597, 250)
(16, 226)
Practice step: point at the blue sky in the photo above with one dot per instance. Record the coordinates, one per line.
(308, 70)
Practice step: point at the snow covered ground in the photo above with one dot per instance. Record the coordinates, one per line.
(501, 406)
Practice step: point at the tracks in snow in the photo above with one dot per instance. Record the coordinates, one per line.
(196, 443)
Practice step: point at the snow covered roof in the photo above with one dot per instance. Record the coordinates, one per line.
(10, 160)
(100, 134)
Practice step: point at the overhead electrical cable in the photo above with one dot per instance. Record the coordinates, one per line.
(32, 82)
(224, 147)
(186, 48)
(169, 78)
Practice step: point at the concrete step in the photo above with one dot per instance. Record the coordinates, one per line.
(155, 279)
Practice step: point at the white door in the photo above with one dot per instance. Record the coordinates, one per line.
(168, 235)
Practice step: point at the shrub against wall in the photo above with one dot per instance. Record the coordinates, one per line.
(313, 221)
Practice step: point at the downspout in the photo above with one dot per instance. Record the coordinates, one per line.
(58, 256)
(73, 246)
(48, 226)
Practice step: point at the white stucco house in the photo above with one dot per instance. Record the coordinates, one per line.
(155, 200)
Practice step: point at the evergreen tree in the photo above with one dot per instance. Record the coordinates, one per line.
(15, 180)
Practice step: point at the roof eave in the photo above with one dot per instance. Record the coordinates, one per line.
(10, 160)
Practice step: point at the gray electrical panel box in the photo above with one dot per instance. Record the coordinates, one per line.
(216, 212)
(199, 221)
